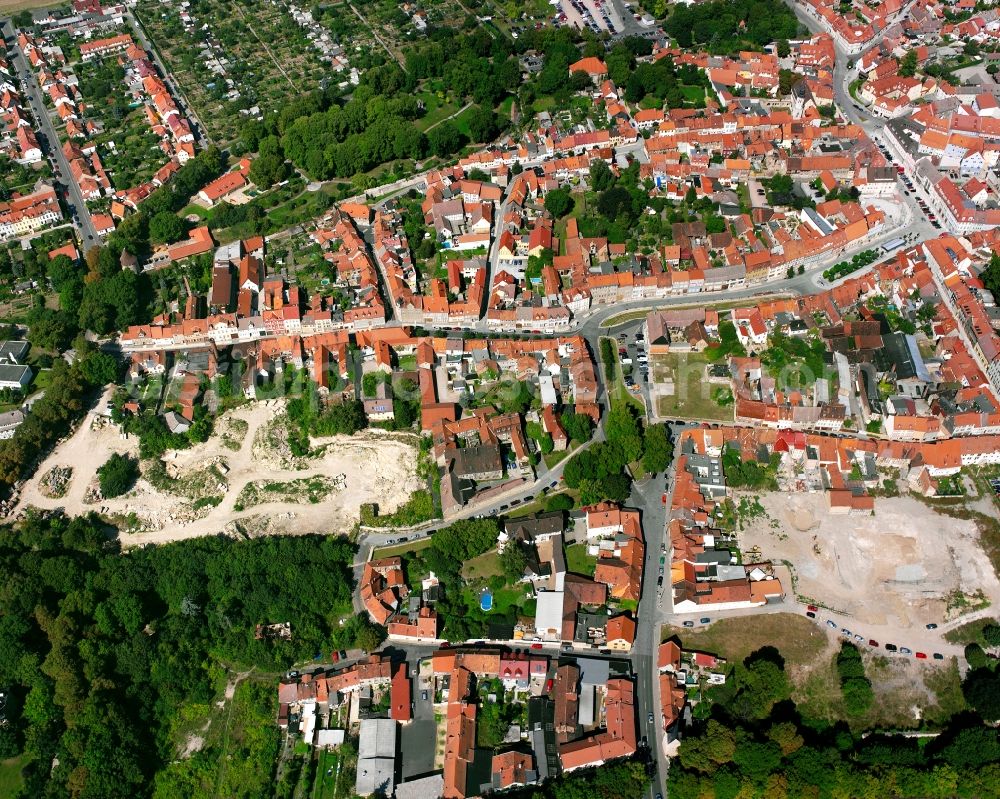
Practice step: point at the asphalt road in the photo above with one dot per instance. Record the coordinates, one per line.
(49, 140)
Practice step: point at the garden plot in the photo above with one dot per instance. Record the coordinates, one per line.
(232, 57)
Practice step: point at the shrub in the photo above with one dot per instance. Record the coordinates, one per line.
(117, 475)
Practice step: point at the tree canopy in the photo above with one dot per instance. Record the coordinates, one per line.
(102, 653)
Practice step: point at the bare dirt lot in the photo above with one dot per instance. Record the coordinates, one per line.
(197, 491)
(905, 566)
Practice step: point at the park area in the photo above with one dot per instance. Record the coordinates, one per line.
(243, 480)
(681, 388)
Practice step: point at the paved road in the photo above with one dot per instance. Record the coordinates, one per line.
(49, 140)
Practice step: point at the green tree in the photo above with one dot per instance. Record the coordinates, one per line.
(513, 562)
(622, 430)
(559, 202)
(908, 64)
(657, 449)
(981, 689)
(117, 475)
(166, 227)
(991, 634)
(601, 177)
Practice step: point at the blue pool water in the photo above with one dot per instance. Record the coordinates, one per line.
(486, 601)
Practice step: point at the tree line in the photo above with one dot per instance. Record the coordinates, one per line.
(753, 741)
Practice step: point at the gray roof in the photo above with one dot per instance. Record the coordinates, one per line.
(421, 788)
(9, 373)
(13, 351)
(377, 738)
(593, 671)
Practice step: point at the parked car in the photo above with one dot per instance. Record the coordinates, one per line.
(343, 654)
(813, 608)
(689, 624)
(650, 718)
(810, 614)
(336, 657)
(860, 638)
(920, 655)
(931, 626)
(905, 650)
(704, 620)
(938, 656)
(831, 624)
(872, 642)
(845, 632)
(423, 695)
(536, 646)
(890, 647)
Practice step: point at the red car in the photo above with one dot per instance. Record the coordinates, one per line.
(336, 657)
(872, 642)
(920, 655)
(536, 646)
(813, 608)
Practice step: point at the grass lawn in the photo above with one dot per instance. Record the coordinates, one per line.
(693, 93)
(692, 396)
(436, 109)
(797, 638)
(555, 457)
(324, 785)
(10, 775)
(482, 567)
(971, 632)
(579, 562)
(462, 123)
(402, 549)
(503, 600)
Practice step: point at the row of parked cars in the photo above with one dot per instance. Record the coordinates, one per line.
(909, 186)
(812, 610)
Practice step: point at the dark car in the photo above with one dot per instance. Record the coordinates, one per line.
(810, 614)
(931, 626)
(938, 656)
(891, 647)
(343, 654)
(689, 624)
(704, 620)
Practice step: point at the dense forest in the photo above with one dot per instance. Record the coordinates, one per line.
(104, 653)
(726, 26)
(754, 742)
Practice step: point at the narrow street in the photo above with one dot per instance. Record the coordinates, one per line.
(49, 140)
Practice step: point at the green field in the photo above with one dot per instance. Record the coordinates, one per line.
(579, 562)
(10, 775)
(692, 393)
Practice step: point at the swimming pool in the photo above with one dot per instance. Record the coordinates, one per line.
(486, 601)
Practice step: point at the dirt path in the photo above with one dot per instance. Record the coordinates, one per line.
(374, 467)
